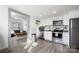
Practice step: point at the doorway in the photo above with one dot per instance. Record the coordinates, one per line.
(18, 28)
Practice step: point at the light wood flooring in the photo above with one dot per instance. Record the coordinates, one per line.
(45, 47)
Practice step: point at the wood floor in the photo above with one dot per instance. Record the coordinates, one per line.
(45, 47)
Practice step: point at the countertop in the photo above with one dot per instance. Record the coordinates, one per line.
(53, 31)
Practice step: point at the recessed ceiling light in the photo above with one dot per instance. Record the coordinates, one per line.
(40, 15)
(54, 12)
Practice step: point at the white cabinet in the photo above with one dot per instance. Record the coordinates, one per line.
(48, 35)
(66, 38)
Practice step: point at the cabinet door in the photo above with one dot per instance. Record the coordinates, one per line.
(48, 35)
(65, 20)
(66, 38)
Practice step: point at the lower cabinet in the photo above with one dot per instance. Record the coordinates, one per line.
(66, 38)
(48, 35)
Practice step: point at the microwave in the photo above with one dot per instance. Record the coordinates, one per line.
(58, 23)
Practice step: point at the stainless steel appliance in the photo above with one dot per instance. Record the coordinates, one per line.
(41, 29)
(59, 35)
(58, 23)
(74, 33)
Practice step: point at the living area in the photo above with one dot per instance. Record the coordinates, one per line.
(18, 25)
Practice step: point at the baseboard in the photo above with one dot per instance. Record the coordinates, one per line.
(5, 50)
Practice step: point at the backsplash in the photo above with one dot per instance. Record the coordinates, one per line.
(64, 27)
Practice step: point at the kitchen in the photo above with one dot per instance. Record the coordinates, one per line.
(56, 29)
(56, 32)
(53, 23)
(51, 27)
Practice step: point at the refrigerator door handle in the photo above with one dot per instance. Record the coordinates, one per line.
(71, 23)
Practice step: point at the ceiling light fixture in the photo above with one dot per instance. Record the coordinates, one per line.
(54, 12)
(40, 15)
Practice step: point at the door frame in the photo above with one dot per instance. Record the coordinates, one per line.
(9, 17)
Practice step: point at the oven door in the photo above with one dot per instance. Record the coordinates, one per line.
(57, 35)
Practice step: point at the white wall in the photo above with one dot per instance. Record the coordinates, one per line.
(65, 17)
(24, 23)
(47, 21)
(74, 14)
(32, 28)
(3, 27)
(33, 25)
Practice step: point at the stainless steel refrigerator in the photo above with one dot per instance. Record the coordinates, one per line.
(74, 33)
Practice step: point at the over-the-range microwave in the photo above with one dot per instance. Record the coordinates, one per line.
(58, 23)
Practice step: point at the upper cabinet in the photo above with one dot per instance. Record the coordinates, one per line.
(66, 20)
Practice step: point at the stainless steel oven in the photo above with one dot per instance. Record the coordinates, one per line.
(57, 33)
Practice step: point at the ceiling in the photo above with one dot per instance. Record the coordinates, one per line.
(44, 11)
